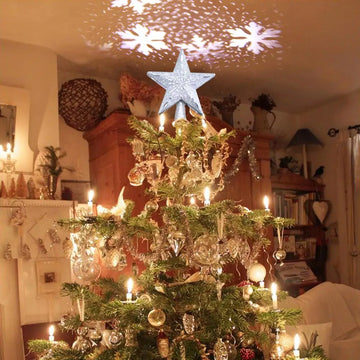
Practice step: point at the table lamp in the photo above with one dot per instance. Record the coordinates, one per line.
(302, 138)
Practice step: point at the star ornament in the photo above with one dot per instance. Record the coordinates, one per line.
(180, 86)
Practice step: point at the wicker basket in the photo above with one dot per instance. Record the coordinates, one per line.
(82, 103)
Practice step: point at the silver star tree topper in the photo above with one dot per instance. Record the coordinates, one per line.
(180, 86)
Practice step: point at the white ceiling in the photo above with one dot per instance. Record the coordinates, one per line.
(313, 54)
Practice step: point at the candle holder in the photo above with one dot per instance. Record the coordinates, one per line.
(8, 164)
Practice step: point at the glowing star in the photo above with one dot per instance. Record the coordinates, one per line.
(180, 87)
(120, 207)
(254, 38)
(142, 39)
(200, 48)
(137, 5)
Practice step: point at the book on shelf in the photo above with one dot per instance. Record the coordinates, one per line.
(295, 273)
(291, 204)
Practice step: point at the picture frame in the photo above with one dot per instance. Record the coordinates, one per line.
(49, 275)
(76, 190)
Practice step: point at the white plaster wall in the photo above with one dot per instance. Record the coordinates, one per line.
(339, 113)
(35, 69)
(71, 140)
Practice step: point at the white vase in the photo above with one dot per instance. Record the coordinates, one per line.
(261, 121)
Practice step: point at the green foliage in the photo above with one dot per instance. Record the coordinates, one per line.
(52, 165)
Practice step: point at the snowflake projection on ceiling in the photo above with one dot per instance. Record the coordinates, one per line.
(217, 33)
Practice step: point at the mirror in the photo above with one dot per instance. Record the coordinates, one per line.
(19, 100)
(7, 125)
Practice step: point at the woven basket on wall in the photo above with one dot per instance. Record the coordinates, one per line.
(82, 103)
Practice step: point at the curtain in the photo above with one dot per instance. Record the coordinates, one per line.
(349, 161)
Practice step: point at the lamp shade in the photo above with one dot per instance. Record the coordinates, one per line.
(304, 137)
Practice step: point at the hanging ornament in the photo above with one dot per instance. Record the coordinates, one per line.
(206, 250)
(156, 317)
(256, 272)
(112, 258)
(86, 268)
(130, 337)
(244, 251)
(82, 343)
(220, 350)
(115, 338)
(54, 236)
(189, 323)
(171, 161)
(95, 336)
(232, 246)
(136, 176)
(247, 354)
(151, 206)
(177, 241)
(216, 164)
(25, 252)
(279, 255)
(162, 342)
(137, 147)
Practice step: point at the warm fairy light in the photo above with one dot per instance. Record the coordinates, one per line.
(262, 284)
(162, 122)
(296, 346)
(274, 295)
(192, 201)
(207, 196)
(130, 285)
(51, 333)
(8, 148)
(266, 203)
(203, 123)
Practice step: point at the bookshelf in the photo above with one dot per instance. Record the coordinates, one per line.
(292, 197)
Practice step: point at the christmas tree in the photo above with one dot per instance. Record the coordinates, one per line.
(184, 306)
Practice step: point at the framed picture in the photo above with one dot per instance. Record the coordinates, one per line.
(75, 190)
(48, 275)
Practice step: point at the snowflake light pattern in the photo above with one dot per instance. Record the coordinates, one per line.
(137, 5)
(254, 38)
(142, 39)
(200, 48)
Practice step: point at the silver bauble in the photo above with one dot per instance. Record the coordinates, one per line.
(156, 317)
(82, 344)
(136, 176)
(189, 323)
(115, 338)
(95, 336)
(176, 240)
(256, 272)
(151, 206)
(279, 254)
(206, 250)
(86, 268)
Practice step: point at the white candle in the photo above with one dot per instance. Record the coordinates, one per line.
(162, 122)
(274, 295)
(262, 284)
(266, 203)
(192, 201)
(207, 196)
(129, 284)
(296, 346)
(51, 333)
(91, 194)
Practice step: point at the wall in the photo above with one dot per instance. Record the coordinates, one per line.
(339, 113)
(71, 140)
(35, 69)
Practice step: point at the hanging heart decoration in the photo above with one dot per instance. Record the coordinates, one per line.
(309, 210)
(321, 210)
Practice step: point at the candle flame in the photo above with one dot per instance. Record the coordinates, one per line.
(51, 330)
(266, 202)
(192, 200)
(207, 195)
(91, 195)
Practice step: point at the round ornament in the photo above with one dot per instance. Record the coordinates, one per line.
(189, 323)
(232, 246)
(206, 250)
(171, 161)
(82, 344)
(86, 268)
(136, 176)
(156, 317)
(130, 338)
(256, 272)
(151, 206)
(115, 338)
(95, 336)
(279, 254)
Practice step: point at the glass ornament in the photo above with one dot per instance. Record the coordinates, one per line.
(162, 342)
(95, 336)
(189, 323)
(216, 164)
(156, 317)
(151, 206)
(244, 251)
(86, 268)
(136, 176)
(177, 241)
(115, 338)
(232, 246)
(82, 343)
(256, 272)
(206, 250)
(220, 350)
(171, 161)
(279, 255)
